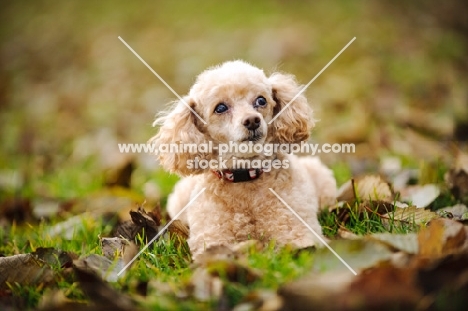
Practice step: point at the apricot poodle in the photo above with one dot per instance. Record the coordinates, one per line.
(232, 105)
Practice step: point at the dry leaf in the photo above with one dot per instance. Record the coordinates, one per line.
(359, 254)
(25, 269)
(103, 296)
(456, 212)
(53, 256)
(116, 247)
(102, 266)
(383, 288)
(369, 187)
(420, 196)
(141, 222)
(120, 176)
(16, 209)
(407, 243)
(316, 291)
(457, 177)
(442, 236)
(410, 215)
(178, 228)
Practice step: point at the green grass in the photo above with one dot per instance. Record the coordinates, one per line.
(169, 260)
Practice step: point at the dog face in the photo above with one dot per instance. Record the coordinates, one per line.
(237, 101)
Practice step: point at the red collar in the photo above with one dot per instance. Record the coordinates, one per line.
(239, 175)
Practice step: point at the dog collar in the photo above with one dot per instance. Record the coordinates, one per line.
(239, 175)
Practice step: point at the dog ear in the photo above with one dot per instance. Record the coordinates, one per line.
(178, 127)
(294, 123)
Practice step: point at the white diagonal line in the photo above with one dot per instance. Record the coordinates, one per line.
(315, 233)
(160, 232)
(313, 79)
(162, 80)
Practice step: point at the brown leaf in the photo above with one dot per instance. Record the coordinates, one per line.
(316, 291)
(383, 288)
(25, 269)
(457, 177)
(101, 266)
(53, 256)
(16, 209)
(369, 187)
(118, 248)
(442, 236)
(150, 222)
(410, 215)
(127, 230)
(178, 228)
(142, 222)
(100, 293)
(415, 286)
(121, 176)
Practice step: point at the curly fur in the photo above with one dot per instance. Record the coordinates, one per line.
(229, 212)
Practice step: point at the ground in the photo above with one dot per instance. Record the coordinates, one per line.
(70, 91)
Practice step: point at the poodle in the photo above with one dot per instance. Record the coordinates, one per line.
(232, 105)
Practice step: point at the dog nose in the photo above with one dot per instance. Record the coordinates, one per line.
(251, 123)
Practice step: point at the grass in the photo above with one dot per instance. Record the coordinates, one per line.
(168, 260)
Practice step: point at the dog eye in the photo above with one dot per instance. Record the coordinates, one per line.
(260, 101)
(221, 108)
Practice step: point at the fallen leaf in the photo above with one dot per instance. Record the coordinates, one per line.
(442, 236)
(16, 209)
(55, 257)
(358, 254)
(116, 247)
(456, 212)
(369, 187)
(316, 291)
(409, 215)
(407, 243)
(420, 196)
(415, 286)
(383, 288)
(102, 266)
(141, 222)
(103, 296)
(178, 228)
(120, 176)
(24, 269)
(457, 177)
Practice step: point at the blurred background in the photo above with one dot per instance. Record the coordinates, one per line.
(70, 90)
